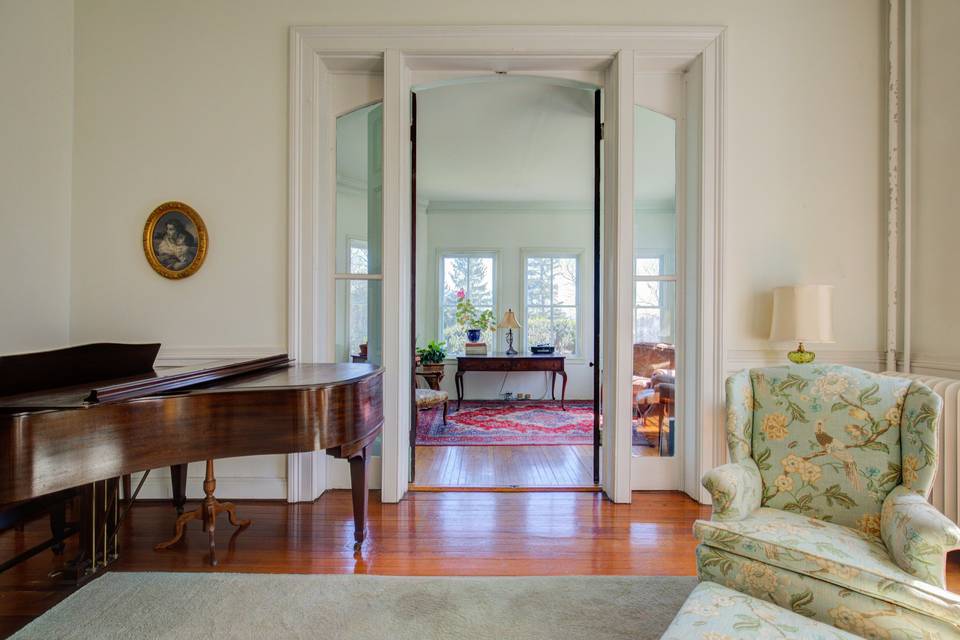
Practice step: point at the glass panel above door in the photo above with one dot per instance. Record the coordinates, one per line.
(360, 191)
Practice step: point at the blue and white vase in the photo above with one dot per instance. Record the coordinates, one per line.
(473, 335)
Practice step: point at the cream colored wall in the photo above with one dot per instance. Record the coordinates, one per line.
(188, 100)
(936, 201)
(201, 115)
(36, 142)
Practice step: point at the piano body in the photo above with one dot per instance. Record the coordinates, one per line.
(85, 416)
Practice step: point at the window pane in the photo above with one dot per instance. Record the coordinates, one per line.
(359, 215)
(455, 278)
(538, 281)
(565, 281)
(480, 291)
(647, 267)
(657, 323)
(655, 188)
(538, 326)
(565, 329)
(647, 294)
(358, 311)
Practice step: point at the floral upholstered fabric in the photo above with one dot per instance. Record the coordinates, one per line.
(736, 489)
(832, 553)
(918, 536)
(827, 439)
(848, 610)
(740, 416)
(714, 612)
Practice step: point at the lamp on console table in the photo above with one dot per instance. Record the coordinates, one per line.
(509, 323)
(802, 313)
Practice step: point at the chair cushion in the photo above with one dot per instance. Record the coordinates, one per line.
(430, 398)
(833, 553)
(715, 612)
(827, 439)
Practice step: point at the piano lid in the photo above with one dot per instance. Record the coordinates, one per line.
(105, 372)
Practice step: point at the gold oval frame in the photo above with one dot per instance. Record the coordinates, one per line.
(148, 228)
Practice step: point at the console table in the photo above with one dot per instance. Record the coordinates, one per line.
(501, 362)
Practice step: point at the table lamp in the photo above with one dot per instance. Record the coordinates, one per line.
(802, 313)
(509, 323)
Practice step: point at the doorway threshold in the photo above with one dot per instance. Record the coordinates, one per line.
(505, 489)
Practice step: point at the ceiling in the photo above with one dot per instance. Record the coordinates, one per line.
(514, 139)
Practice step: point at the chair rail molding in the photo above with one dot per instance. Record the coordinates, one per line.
(408, 55)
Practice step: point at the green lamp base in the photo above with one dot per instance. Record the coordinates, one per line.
(801, 355)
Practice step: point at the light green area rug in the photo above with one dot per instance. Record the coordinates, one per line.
(354, 607)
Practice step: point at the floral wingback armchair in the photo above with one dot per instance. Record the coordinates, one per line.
(823, 508)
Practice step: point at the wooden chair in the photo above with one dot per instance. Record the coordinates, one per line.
(432, 398)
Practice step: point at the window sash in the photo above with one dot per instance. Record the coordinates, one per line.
(446, 306)
(532, 308)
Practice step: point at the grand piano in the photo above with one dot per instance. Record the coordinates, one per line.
(82, 418)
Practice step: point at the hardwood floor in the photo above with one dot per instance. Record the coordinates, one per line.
(543, 466)
(451, 533)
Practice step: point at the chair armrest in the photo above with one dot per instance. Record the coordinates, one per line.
(917, 536)
(736, 489)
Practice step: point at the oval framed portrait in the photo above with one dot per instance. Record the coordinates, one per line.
(175, 240)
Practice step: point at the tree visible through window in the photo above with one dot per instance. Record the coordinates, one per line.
(357, 310)
(473, 273)
(550, 301)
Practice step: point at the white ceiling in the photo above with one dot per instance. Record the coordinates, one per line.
(514, 139)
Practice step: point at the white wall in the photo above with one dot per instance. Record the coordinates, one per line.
(936, 201)
(36, 142)
(188, 100)
(508, 229)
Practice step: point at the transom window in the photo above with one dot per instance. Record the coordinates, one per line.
(551, 292)
(466, 276)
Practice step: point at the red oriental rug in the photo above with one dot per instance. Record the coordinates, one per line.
(518, 422)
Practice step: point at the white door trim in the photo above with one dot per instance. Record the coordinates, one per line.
(316, 52)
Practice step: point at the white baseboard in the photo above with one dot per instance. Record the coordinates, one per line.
(338, 473)
(157, 486)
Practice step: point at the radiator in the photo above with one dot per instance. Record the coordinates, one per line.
(946, 488)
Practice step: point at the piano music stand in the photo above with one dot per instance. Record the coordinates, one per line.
(207, 513)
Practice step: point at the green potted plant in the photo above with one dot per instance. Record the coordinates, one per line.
(432, 357)
(474, 321)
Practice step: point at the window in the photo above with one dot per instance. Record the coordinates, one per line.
(358, 305)
(652, 301)
(551, 294)
(472, 276)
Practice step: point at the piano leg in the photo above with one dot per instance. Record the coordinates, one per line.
(207, 514)
(358, 486)
(178, 482)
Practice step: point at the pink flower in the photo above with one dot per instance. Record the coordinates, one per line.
(461, 294)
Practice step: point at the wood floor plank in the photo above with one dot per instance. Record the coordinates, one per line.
(446, 533)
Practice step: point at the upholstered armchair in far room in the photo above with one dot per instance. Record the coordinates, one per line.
(822, 509)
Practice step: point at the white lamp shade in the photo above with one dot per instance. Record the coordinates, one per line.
(802, 313)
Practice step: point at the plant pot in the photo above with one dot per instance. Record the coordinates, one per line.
(473, 335)
(432, 368)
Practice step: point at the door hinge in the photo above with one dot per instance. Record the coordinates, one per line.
(601, 130)
(413, 132)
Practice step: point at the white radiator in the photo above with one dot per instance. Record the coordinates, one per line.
(946, 487)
